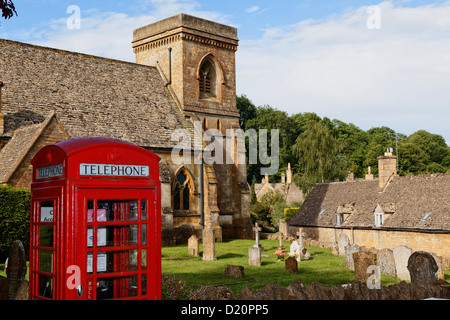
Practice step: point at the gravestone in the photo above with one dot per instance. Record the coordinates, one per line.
(254, 256)
(257, 229)
(342, 241)
(305, 254)
(335, 249)
(193, 246)
(295, 250)
(401, 256)
(291, 265)
(422, 267)
(349, 251)
(386, 262)
(362, 261)
(209, 246)
(17, 267)
(234, 271)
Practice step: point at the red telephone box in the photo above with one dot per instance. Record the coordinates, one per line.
(95, 222)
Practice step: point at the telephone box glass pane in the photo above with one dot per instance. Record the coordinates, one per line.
(117, 287)
(144, 234)
(45, 261)
(46, 214)
(45, 287)
(117, 236)
(144, 259)
(144, 210)
(118, 210)
(46, 236)
(113, 261)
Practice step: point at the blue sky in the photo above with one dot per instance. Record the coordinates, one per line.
(297, 56)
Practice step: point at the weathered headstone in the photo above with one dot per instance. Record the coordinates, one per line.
(291, 265)
(349, 251)
(305, 254)
(386, 262)
(234, 271)
(254, 256)
(342, 241)
(362, 261)
(209, 246)
(335, 249)
(22, 292)
(257, 229)
(295, 250)
(422, 267)
(193, 246)
(401, 256)
(17, 267)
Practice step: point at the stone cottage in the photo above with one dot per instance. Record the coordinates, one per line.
(386, 212)
(286, 187)
(184, 75)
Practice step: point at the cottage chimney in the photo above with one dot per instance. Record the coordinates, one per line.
(387, 168)
(289, 174)
(2, 118)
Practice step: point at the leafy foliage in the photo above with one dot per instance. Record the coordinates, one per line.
(323, 150)
(14, 218)
(8, 9)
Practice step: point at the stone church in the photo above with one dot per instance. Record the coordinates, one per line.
(184, 75)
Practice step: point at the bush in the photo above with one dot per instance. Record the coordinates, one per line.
(14, 218)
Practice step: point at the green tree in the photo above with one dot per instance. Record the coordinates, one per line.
(246, 108)
(269, 118)
(318, 151)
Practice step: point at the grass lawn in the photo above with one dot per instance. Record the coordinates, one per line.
(323, 267)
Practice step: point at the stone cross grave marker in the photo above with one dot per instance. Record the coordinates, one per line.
(257, 229)
(280, 249)
(254, 256)
(300, 239)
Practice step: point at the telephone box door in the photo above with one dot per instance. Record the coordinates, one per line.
(119, 231)
(45, 243)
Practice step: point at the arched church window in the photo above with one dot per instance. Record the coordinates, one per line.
(181, 191)
(208, 80)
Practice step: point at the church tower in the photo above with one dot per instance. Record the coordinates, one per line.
(196, 59)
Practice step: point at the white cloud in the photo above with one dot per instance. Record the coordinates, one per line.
(397, 76)
(109, 34)
(252, 9)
